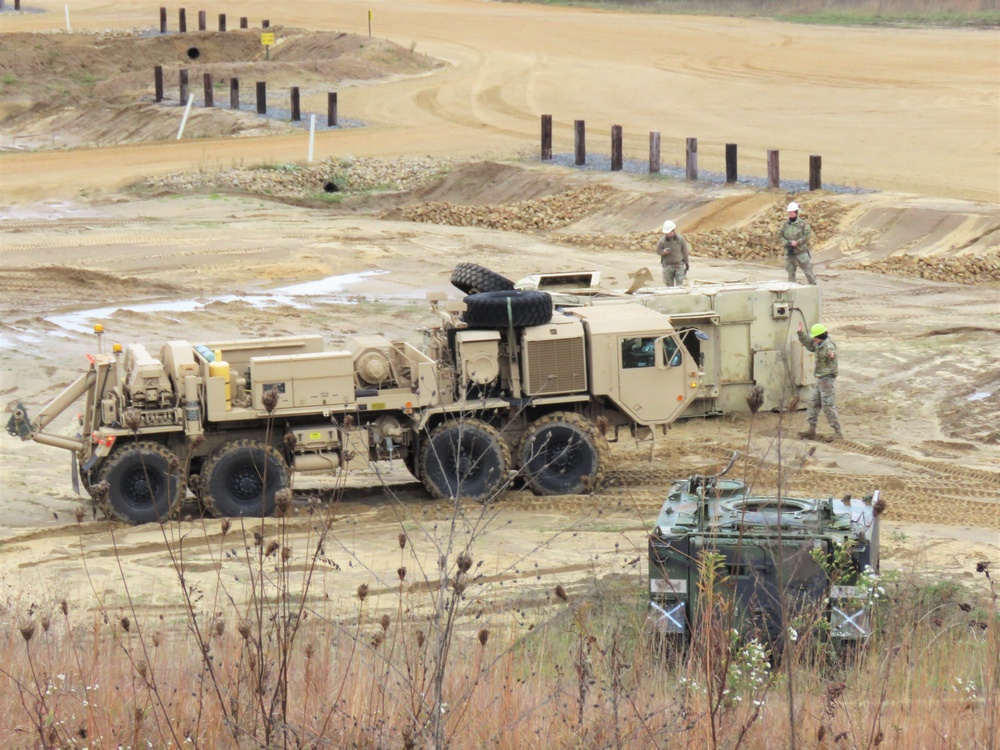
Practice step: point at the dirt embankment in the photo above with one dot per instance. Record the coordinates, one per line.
(85, 89)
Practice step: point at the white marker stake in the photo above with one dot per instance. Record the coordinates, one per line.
(68, 28)
(187, 111)
(312, 136)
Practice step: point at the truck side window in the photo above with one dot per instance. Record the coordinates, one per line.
(638, 352)
(672, 353)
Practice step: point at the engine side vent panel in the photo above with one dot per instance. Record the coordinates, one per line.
(555, 367)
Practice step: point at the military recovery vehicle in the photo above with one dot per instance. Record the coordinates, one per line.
(779, 562)
(502, 383)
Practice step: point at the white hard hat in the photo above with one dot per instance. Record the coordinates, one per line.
(668, 227)
(793, 206)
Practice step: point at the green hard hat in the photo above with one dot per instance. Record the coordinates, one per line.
(817, 330)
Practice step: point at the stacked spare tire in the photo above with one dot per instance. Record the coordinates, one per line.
(493, 302)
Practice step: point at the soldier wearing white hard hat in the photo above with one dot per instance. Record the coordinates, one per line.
(674, 252)
(795, 235)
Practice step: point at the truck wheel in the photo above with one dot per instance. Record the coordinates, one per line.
(234, 478)
(563, 454)
(466, 458)
(144, 483)
(473, 279)
(512, 307)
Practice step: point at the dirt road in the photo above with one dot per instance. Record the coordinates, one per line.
(909, 110)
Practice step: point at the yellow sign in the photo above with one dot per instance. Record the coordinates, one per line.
(267, 38)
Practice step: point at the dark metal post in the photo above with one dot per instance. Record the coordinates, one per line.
(546, 137)
(580, 142)
(209, 93)
(731, 173)
(815, 172)
(202, 20)
(182, 21)
(163, 20)
(234, 93)
(773, 173)
(616, 148)
(265, 24)
(222, 22)
(654, 152)
(296, 113)
(691, 161)
(184, 87)
(331, 109)
(158, 82)
(244, 22)
(261, 97)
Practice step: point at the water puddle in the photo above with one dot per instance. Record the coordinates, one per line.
(335, 289)
(981, 395)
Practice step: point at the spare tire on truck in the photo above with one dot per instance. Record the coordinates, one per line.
(474, 279)
(513, 307)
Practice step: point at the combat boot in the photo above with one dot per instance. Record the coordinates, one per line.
(809, 434)
(837, 435)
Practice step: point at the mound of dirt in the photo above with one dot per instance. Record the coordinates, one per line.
(82, 89)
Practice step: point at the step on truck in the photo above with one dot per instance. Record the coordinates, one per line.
(503, 386)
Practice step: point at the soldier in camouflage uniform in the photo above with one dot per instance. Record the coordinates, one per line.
(819, 342)
(795, 236)
(673, 250)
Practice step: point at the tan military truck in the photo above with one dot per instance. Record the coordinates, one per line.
(503, 384)
(750, 330)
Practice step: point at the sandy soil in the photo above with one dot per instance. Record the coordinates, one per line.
(920, 390)
(911, 110)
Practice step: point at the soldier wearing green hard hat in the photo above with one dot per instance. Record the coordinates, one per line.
(824, 396)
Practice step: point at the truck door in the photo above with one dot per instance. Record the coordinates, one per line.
(655, 377)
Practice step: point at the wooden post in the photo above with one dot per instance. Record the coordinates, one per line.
(234, 93)
(546, 137)
(209, 93)
(222, 22)
(296, 113)
(261, 97)
(244, 22)
(731, 174)
(163, 20)
(773, 174)
(202, 20)
(184, 86)
(616, 148)
(580, 142)
(158, 82)
(265, 24)
(654, 152)
(182, 21)
(691, 161)
(331, 109)
(17, 4)
(815, 172)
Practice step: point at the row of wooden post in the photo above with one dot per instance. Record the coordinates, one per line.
(202, 20)
(691, 155)
(234, 95)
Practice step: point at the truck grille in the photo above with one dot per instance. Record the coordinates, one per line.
(555, 367)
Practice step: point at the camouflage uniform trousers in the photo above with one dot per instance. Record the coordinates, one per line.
(674, 274)
(824, 396)
(800, 260)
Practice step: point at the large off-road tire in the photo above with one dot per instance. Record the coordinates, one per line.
(473, 279)
(141, 486)
(242, 478)
(464, 458)
(563, 453)
(513, 307)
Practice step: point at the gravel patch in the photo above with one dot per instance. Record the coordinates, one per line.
(601, 163)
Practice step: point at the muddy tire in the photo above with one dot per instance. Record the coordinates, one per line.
(242, 478)
(470, 278)
(141, 486)
(509, 308)
(563, 454)
(464, 458)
